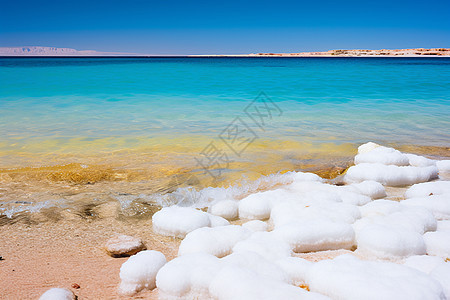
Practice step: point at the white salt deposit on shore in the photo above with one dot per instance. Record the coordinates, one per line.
(57, 294)
(246, 245)
(139, 271)
(401, 248)
(178, 221)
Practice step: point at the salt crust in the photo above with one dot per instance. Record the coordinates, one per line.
(307, 214)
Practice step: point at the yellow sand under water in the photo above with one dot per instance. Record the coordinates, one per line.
(81, 162)
(89, 177)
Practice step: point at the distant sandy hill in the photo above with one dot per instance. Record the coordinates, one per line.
(362, 52)
(352, 53)
(53, 51)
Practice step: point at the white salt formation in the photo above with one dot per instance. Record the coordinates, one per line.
(383, 155)
(347, 277)
(188, 276)
(433, 196)
(442, 274)
(179, 221)
(390, 167)
(439, 205)
(58, 294)
(217, 241)
(370, 188)
(389, 242)
(391, 175)
(256, 225)
(139, 271)
(227, 209)
(428, 189)
(316, 235)
(400, 248)
(296, 268)
(438, 243)
(443, 225)
(424, 263)
(443, 165)
(241, 283)
(266, 244)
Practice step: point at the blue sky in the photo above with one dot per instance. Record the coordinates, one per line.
(227, 26)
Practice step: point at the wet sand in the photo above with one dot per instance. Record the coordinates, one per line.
(59, 254)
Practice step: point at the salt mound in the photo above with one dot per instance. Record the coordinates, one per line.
(256, 263)
(301, 177)
(139, 271)
(258, 206)
(227, 209)
(315, 192)
(370, 188)
(217, 221)
(58, 294)
(178, 221)
(193, 276)
(296, 268)
(390, 175)
(256, 225)
(374, 153)
(443, 225)
(217, 241)
(367, 147)
(316, 235)
(428, 188)
(442, 274)
(383, 155)
(309, 211)
(416, 219)
(347, 277)
(438, 243)
(397, 215)
(424, 263)
(380, 208)
(420, 161)
(443, 165)
(188, 276)
(351, 197)
(304, 186)
(388, 242)
(439, 205)
(266, 244)
(240, 283)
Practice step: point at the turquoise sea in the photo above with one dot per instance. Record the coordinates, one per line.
(403, 100)
(95, 119)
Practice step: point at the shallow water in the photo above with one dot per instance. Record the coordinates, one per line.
(81, 131)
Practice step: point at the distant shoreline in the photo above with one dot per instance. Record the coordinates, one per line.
(224, 56)
(37, 51)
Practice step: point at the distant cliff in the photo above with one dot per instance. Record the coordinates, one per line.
(52, 51)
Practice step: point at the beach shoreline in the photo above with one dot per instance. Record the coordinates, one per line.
(63, 248)
(416, 52)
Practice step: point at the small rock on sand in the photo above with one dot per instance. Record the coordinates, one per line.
(124, 245)
(75, 286)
